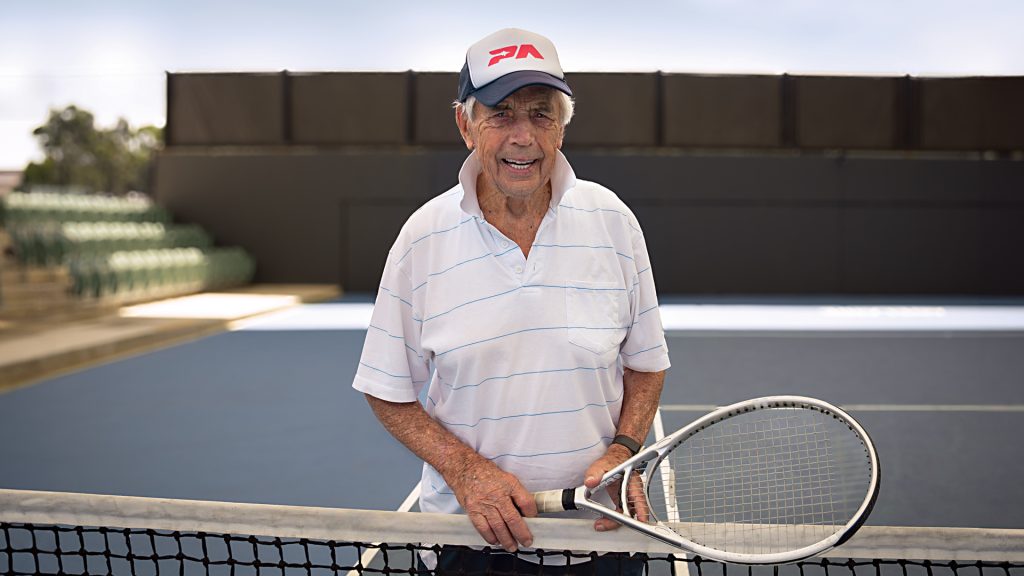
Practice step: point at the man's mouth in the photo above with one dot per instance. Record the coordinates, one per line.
(518, 164)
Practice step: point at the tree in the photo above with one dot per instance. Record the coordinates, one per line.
(78, 153)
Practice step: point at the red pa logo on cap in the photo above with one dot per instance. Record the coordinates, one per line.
(521, 51)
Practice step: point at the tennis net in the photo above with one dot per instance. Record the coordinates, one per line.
(62, 533)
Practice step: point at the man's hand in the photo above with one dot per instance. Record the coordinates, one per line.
(488, 494)
(641, 391)
(614, 456)
(495, 502)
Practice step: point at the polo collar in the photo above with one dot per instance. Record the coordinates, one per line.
(562, 180)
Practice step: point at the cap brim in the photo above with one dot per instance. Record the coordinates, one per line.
(498, 90)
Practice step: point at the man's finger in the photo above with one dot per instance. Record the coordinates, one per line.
(517, 526)
(614, 490)
(637, 500)
(596, 471)
(525, 503)
(640, 510)
(604, 524)
(501, 531)
(483, 527)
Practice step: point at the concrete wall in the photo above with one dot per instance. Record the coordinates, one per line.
(715, 224)
(744, 184)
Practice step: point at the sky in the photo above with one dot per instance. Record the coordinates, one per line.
(111, 56)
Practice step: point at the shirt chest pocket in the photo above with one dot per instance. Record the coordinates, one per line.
(597, 314)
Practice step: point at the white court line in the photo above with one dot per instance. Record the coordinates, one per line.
(411, 498)
(664, 470)
(667, 483)
(693, 317)
(659, 426)
(935, 407)
(715, 318)
(877, 407)
(336, 316)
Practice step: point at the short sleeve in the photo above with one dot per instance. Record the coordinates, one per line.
(644, 349)
(393, 366)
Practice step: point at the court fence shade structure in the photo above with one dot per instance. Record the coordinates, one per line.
(62, 533)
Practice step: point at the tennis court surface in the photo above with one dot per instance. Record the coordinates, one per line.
(247, 452)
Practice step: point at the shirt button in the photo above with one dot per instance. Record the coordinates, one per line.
(518, 269)
(504, 243)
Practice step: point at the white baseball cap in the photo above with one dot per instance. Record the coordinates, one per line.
(506, 61)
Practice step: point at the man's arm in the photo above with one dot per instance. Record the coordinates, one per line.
(489, 495)
(641, 394)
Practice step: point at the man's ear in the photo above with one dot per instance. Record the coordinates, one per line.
(460, 121)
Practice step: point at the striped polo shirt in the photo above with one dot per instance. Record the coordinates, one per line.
(522, 358)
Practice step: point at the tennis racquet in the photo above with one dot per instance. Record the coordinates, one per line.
(764, 481)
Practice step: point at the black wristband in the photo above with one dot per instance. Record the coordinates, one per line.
(632, 445)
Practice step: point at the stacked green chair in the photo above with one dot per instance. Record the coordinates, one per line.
(18, 209)
(139, 273)
(121, 248)
(227, 267)
(53, 244)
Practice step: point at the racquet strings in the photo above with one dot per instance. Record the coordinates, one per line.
(762, 482)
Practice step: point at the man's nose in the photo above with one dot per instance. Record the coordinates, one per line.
(522, 131)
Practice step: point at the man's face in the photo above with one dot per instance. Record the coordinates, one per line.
(516, 140)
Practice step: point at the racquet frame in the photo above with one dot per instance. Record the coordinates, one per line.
(648, 461)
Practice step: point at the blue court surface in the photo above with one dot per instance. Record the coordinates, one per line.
(265, 413)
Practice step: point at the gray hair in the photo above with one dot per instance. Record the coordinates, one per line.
(566, 108)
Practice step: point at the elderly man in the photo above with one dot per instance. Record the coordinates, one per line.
(530, 296)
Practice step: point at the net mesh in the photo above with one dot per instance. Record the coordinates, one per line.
(125, 547)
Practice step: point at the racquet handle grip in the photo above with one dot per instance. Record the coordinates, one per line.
(555, 500)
